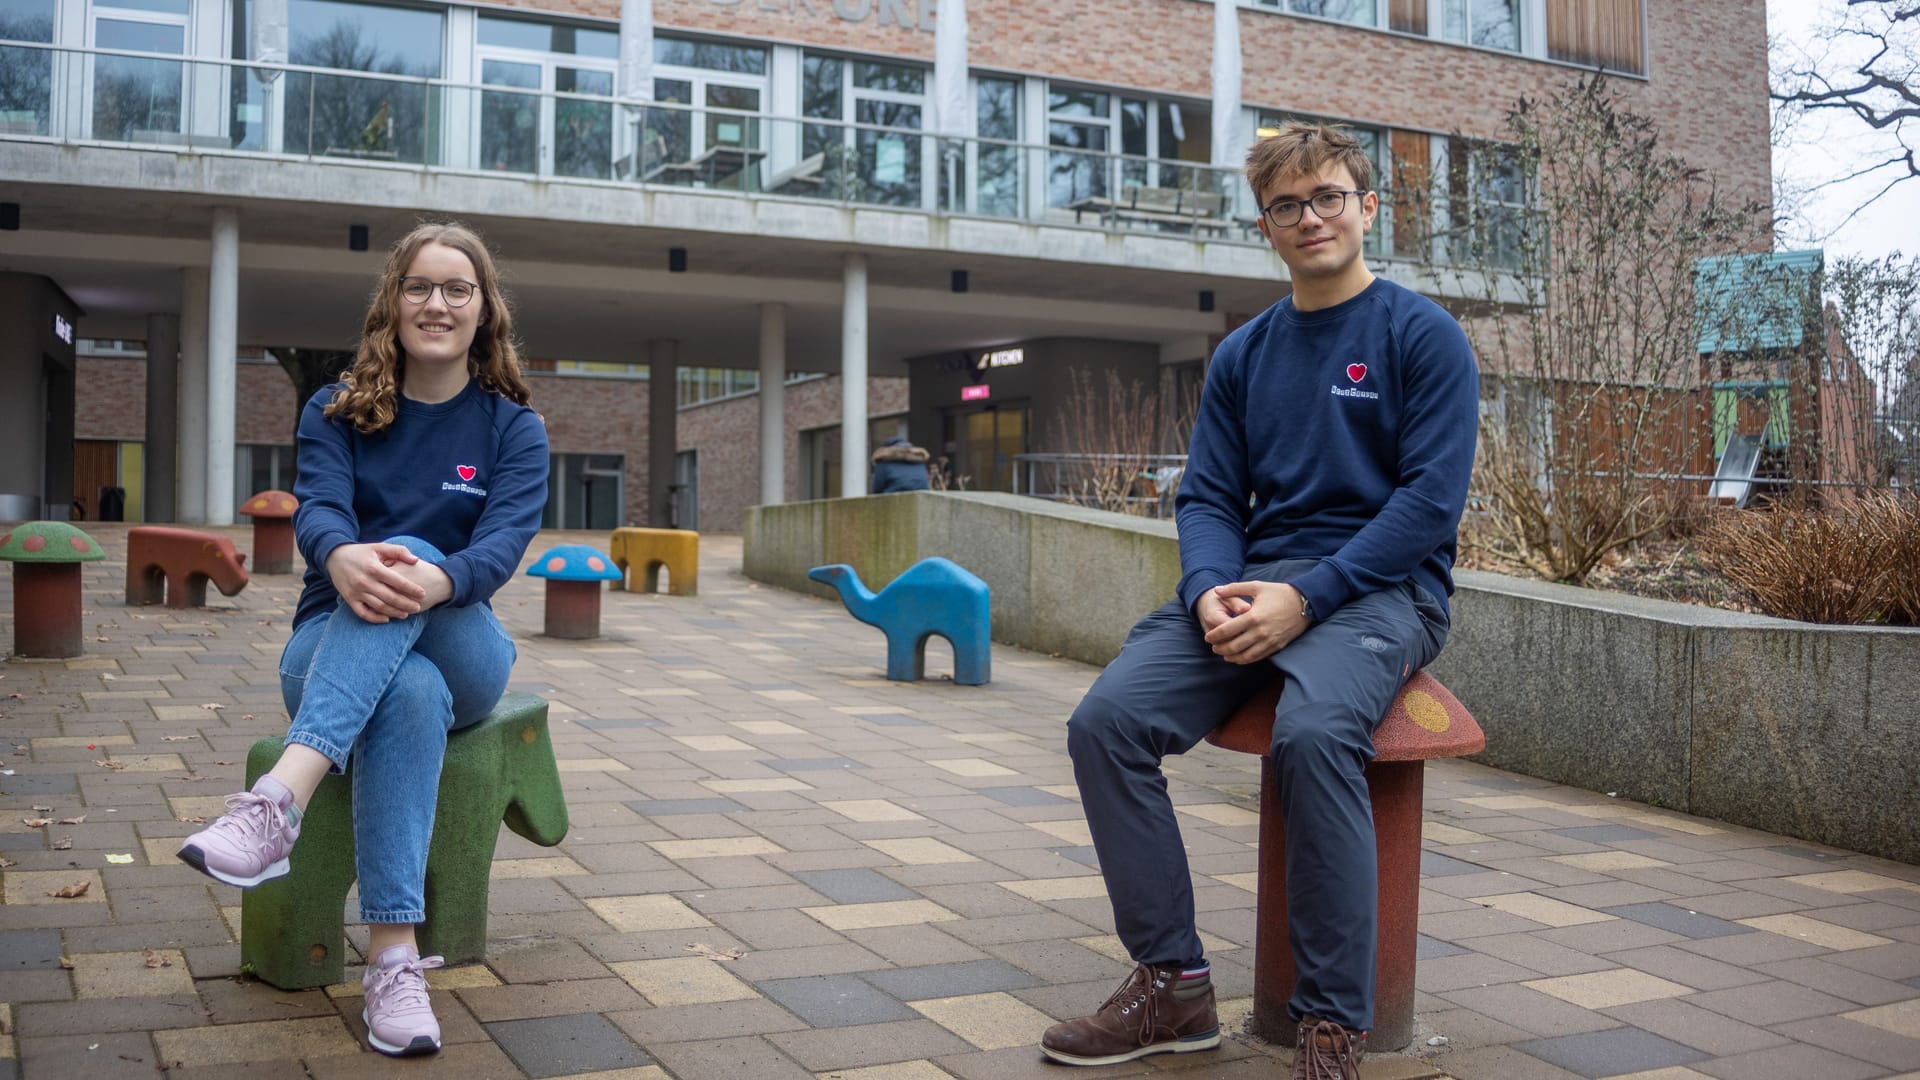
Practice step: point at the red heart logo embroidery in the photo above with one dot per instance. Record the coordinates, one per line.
(466, 471)
(1356, 372)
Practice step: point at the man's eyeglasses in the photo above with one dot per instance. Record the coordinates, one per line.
(1327, 205)
(454, 291)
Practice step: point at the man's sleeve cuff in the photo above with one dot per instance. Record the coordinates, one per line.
(1326, 591)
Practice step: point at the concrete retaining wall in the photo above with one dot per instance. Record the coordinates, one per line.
(1808, 731)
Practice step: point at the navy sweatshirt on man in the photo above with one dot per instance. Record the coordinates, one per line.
(1344, 434)
(467, 475)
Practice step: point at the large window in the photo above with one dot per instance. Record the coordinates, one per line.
(1358, 12)
(1156, 137)
(26, 75)
(536, 125)
(702, 148)
(867, 165)
(1492, 24)
(136, 98)
(354, 116)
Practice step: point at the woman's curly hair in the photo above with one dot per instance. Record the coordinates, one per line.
(371, 397)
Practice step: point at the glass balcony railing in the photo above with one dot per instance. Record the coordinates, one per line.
(105, 96)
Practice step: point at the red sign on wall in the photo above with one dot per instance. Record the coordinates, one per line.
(974, 393)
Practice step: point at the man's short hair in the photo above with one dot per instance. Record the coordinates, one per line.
(1304, 150)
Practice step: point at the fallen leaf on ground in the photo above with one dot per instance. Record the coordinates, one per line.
(68, 892)
(65, 843)
(106, 764)
(213, 705)
(248, 716)
(226, 763)
(120, 860)
(155, 960)
(81, 820)
(4, 863)
(43, 809)
(103, 639)
(194, 820)
(190, 779)
(178, 738)
(65, 961)
(701, 948)
(36, 822)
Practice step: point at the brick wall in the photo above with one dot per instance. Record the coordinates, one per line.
(584, 415)
(727, 434)
(111, 401)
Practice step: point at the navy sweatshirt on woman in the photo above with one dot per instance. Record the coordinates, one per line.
(467, 475)
(1352, 428)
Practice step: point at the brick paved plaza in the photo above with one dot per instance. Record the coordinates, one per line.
(782, 865)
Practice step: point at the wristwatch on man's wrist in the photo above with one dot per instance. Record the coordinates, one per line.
(1306, 607)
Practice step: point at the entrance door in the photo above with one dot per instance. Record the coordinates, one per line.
(96, 466)
(984, 442)
(685, 490)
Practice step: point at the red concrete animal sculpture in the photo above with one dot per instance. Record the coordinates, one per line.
(183, 561)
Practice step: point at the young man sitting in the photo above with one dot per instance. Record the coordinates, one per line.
(1318, 519)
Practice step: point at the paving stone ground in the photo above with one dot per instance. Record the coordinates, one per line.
(783, 865)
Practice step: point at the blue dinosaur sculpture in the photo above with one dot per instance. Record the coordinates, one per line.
(934, 596)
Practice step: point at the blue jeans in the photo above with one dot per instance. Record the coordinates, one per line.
(385, 695)
(1163, 694)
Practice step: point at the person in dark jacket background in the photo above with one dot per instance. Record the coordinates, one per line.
(898, 465)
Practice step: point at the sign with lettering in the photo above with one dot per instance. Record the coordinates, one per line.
(974, 393)
(1001, 358)
(63, 329)
(917, 14)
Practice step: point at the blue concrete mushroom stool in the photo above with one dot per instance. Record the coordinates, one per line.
(574, 573)
(934, 596)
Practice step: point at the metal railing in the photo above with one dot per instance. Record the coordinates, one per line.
(193, 105)
(1139, 484)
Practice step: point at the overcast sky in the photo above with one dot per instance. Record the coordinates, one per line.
(1836, 148)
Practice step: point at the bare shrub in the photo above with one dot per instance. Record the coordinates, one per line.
(1111, 430)
(1572, 241)
(1849, 563)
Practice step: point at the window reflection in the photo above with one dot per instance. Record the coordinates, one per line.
(348, 116)
(137, 98)
(26, 75)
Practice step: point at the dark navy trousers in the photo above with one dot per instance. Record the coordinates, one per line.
(1163, 694)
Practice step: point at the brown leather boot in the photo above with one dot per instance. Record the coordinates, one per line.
(1151, 1013)
(1327, 1051)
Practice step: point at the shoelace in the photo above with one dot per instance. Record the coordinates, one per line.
(398, 993)
(1324, 1059)
(250, 816)
(1138, 991)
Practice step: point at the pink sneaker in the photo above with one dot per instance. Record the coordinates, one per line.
(249, 843)
(398, 1016)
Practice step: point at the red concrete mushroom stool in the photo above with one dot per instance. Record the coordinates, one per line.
(1425, 722)
(46, 557)
(574, 573)
(183, 561)
(272, 514)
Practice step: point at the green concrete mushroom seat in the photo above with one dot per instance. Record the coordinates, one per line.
(46, 557)
(272, 514)
(574, 573)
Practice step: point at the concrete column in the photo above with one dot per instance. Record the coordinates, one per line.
(662, 428)
(223, 346)
(193, 396)
(773, 404)
(163, 416)
(853, 379)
